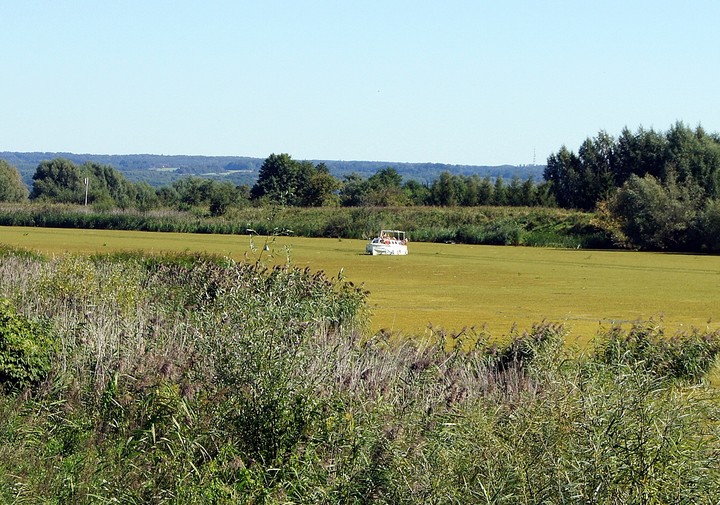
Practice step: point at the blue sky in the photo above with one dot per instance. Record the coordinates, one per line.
(462, 82)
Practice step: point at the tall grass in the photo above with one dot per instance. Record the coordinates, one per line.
(193, 379)
(477, 225)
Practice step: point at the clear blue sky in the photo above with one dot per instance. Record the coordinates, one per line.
(462, 82)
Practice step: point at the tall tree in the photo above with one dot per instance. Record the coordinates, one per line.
(500, 192)
(597, 157)
(579, 181)
(386, 189)
(277, 179)
(107, 185)
(640, 153)
(485, 191)
(528, 192)
(286, 181)
(473, 191)
(416, 192)
(692, 157)
(320, 188)
(146, 197)
(561, 172)
(514, 192)
(354, 191)
(12, 187)
(58, 180)
(443, 190)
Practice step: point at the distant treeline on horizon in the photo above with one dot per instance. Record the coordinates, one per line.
(159, 169)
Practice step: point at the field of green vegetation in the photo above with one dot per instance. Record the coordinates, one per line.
(184, 379)
(251, 353)
(452, 286)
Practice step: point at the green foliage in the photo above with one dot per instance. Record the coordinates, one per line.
(709, 226)
(238, 383)
(321, 188)
(467, 191)
(281, 180)
(657, 216)
(58, 180)
(26, 349)
(108, 188)
(195, 192)
(691, 157)
(297, 183)
(61, 181)
(385, 189)
(682, 357)
(534, 226)
(12, 188)
(443, 190)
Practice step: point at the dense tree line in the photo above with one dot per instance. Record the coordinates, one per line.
(603, 164)
(296, 183)
(281, 181)
(300, 183)
(650, 189)
(653, 190)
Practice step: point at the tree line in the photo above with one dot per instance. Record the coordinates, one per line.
(281, 180)
(653, 190)
(603, 164)
(648, 189)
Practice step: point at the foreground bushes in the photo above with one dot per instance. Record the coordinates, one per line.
(198, 380)
(26, 349)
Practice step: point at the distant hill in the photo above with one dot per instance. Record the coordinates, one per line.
(160, 169)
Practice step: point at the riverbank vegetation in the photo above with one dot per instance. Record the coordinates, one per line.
(646, 190)
(186, 379)
(472, 225)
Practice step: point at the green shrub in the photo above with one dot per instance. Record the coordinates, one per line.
(26, 349)
(683, 357)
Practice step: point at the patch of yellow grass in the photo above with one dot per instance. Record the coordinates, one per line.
(452, 286)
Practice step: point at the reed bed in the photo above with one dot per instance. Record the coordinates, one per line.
(197, 379)
(532, 226)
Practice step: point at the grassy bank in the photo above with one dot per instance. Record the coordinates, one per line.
(187, 379)
(476, 225)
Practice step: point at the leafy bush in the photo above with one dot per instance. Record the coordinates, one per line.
(655, 215)
(26, 349)
(710, 226)
(683, 357)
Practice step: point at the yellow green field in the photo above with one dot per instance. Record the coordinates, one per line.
(452, 285)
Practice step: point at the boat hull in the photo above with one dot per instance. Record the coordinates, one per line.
(386, 250)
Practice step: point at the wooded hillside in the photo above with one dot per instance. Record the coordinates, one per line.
(159, 170)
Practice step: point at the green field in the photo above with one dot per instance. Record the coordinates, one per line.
(452, 286)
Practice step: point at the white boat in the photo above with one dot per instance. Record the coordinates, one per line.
(392, 242)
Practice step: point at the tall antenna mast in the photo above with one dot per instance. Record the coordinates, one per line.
(534, 157)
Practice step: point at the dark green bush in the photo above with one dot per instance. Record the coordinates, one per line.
(26, 349)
